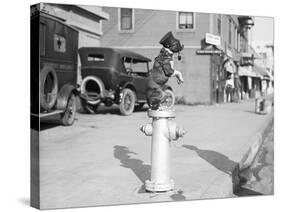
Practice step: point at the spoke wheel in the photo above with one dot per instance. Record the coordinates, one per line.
(68, 116)
(127, 104)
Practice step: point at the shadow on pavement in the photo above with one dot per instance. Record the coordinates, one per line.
(141, 170)
(216, 159)
(242, 192)
(46, 126)
(112, 110)
(178, 196)
(51, 122)
(224, 164)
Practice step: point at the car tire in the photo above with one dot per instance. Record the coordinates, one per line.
(47, 101)
(88, 108)
(67, 118)
(127, 104)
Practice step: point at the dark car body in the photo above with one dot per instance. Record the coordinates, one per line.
(112, 70)
(63, 59)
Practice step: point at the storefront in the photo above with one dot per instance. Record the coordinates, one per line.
(265, 78)
(246, 76)
(217, 79)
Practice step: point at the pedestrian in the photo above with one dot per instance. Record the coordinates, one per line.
(162, 70)
(237, 88)
(229, 84)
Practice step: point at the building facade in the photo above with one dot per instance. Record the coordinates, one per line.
(86, 19)
(212, 46)
(266, 60)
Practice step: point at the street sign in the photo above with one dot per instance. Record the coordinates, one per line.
(208, 51)
(212, 39)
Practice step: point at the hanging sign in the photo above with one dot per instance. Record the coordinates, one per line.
(212, 39)
(208, 51)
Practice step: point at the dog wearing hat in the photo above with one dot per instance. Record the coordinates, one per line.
(162, 70)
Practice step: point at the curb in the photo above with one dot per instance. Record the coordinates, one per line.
(256, 142)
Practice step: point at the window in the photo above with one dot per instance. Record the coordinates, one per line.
(59, 43)
(96, 57)
(135, 67)
(126, 19)
(219, 24)
(229, 31)
(139, 67)
(186, 20)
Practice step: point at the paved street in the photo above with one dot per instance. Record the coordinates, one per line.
(104, 158)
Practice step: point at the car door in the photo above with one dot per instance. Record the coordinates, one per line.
(140, 79)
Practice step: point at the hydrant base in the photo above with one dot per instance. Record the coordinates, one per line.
(159, 187)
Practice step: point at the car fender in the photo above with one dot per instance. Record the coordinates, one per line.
(64, 95)
(128, 85)
(165, 87)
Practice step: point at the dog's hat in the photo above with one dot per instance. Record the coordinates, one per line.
(170, 42)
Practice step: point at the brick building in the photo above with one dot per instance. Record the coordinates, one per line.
(212, 43)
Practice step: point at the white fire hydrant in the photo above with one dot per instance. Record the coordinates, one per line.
(163, 131)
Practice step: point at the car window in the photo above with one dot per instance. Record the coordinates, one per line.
(95, 57)
(139, 67)
(127, 63)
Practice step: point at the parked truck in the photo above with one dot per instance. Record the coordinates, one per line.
(54, 47)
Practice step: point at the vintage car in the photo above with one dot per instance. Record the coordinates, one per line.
(114, 76)
(54, 70)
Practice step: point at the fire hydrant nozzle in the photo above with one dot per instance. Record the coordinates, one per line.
(147, 129)
(162, 130)
(180, 132)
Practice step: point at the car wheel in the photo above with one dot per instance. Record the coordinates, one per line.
(88, 108)
(48, 88)
(170, 99)
(67, 118)
(127, 104)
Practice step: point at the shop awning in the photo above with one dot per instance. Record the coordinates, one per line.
(245, 71)
(261, 70)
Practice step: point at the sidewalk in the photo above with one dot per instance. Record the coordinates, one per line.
(104, 159)
(221, 141)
